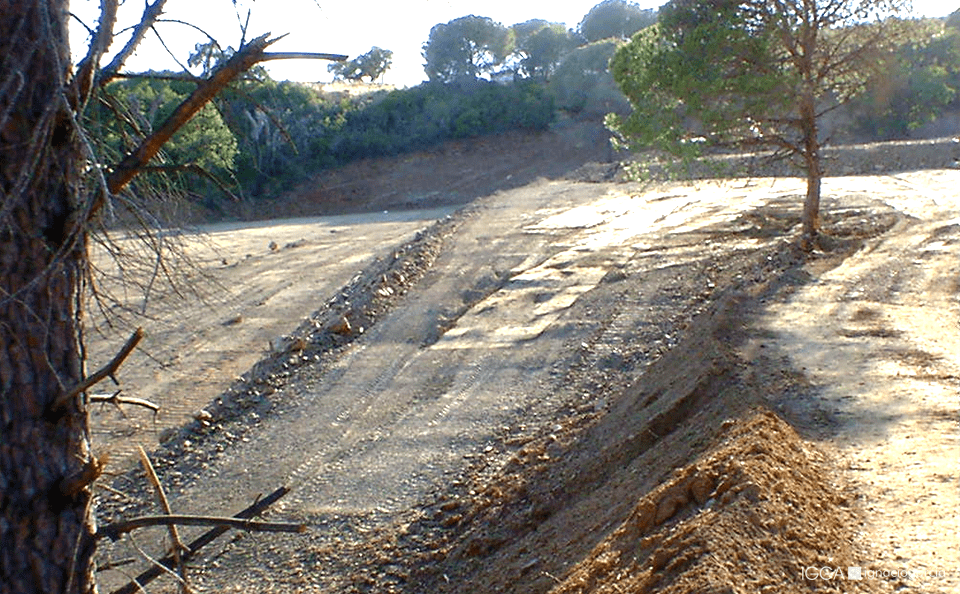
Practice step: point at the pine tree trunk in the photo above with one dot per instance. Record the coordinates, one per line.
(46, 516)
(810, 220)
(811, 205)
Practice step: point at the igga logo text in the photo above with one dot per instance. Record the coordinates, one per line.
(832, 573)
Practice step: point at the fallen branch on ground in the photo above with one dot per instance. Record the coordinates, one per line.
(117, 400)
(177, 544)
(148, 575)
(116, 530)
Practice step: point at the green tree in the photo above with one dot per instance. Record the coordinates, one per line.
(583, 82)
(375, 63)
(540, 46)
(617, 19)
(915, 84)
(348, 70)
(466, 48)
(372, 65)
(753, 74)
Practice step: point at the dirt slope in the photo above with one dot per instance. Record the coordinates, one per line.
(580, 387)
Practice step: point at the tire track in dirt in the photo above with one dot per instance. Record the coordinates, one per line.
(355, 441)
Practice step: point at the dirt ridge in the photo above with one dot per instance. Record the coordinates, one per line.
(749, 515)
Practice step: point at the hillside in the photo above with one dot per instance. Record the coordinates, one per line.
(575, 384)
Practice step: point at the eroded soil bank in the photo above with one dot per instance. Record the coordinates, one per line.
(606, 387)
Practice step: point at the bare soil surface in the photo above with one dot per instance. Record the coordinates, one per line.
(577, 386)
(241, 287)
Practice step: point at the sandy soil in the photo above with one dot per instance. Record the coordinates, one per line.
(239, 288)
(878, 338)
(590, 387)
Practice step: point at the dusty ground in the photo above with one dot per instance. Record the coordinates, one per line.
(243, 286)
(586, 387)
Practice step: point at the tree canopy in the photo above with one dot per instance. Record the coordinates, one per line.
(917, 83)
(583, 84)
(751, 75)
(466, 48)
(540, 47)
(371, 65)
(615, 19)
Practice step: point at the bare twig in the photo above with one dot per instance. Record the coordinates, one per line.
(178, 546)
(156, 563)
(104, 372)
(136, 585)
(115, 491)
(72, 485)
(105, 565)
(116, 399)
(552, 577)
(117, 529)
(98, 46)
(302, 56)
(196, 170)
(150, 14)
(175, 76)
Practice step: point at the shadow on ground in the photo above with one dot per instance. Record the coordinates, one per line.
(688, 481)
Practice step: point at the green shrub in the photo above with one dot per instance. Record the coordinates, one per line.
(263, 136)
(419, 117)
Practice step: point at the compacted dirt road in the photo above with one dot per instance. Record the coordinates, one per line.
(578, 387)
(238, 287)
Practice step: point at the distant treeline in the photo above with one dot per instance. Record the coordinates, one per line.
(261, 136)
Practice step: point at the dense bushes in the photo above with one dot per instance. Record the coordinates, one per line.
(265, 135)
(287, 131)
(284, 131)
(410, 119)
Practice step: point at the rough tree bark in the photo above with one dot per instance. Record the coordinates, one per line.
(47, 526)
(46, 516)
(810, 151)
(804, 56)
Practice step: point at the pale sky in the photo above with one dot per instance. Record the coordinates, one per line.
(344, 27)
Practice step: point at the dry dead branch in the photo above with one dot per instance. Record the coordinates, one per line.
(116, 399)
(150, 14)
(104, 372)
(148, 575)
(175, 542)
(116, 530)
